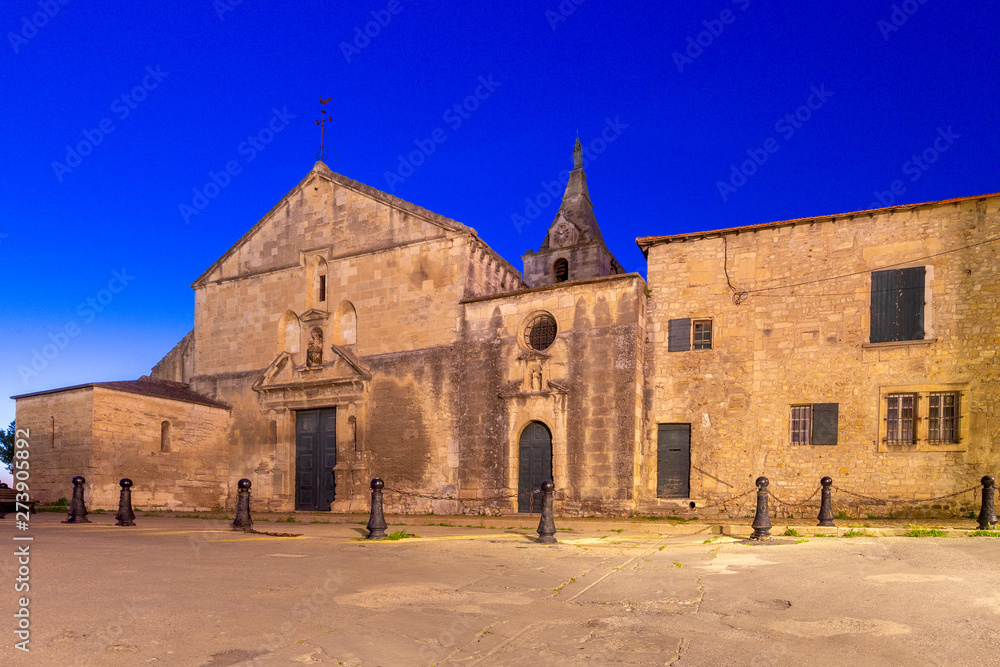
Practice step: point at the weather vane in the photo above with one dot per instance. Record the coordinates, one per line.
(326, 117)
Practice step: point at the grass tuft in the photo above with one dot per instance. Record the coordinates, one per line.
(857, 533)
(985, 533)
(924, 532)
(791, 532)
(399, 535)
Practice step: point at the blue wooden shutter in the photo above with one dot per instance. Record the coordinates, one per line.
(911, 304)
(679, 335)
(897, 306)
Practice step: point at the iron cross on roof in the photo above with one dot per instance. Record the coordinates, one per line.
(326, 117)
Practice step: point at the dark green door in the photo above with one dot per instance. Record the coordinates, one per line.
(315, 456)
(673, 461)
(534, 466)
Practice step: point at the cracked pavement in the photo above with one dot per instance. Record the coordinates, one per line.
(190, 592)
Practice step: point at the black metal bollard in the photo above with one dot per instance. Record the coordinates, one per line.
(826, 506)
(77, 509)
(243, 521)
(125, 516)
(2, 515)
(987, 513)
(547, 524)
(376, 521)
(761, 521)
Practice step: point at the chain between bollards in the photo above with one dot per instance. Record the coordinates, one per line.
(376, 520)
(243, 521)
(77, 508)
(987, 512)
(547, 524)
(761, 521)
(125, 516)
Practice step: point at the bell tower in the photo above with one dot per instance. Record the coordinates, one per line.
(573, 248)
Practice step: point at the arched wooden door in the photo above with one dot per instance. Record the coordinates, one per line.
(534, 465)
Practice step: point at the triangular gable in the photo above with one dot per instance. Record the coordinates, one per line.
(342, 368)
(320, 173)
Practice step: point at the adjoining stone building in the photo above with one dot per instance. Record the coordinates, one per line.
(861, 346)
(350, 334)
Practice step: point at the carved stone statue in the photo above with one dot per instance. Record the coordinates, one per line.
(578, 155)
(536, 378)
(314, 354)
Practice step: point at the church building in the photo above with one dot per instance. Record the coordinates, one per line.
(350, 334)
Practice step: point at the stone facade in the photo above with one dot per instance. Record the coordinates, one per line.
(791, 327)
(351, 335)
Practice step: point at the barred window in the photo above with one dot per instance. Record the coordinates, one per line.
(943, 417)
(901, 419)
(801, 424)
(702, 336)
(540, 332)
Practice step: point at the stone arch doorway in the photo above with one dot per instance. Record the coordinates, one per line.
(534, 465)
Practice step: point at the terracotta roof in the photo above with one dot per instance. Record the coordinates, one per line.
(147, 386)
(645, 241)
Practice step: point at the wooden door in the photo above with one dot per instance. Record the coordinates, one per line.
(315, 457)
(534, 466)
(673, 461)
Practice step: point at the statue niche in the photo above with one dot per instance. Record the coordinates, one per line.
(314, 353)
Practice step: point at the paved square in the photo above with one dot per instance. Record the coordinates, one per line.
(190, 592)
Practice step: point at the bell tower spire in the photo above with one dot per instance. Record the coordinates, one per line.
(574, 247)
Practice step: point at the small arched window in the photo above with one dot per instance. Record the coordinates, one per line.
(561, 270)
(165, 436)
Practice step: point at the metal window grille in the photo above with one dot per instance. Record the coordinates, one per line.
(703, 335)
(540, 333)
(901, 419)
(322, 288)
(801, 424)
(943, 417)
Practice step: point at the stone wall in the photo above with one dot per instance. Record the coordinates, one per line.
(60, 429)
(804, 339)
(587, 396)
(127, 443)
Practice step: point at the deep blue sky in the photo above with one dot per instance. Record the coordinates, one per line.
(681, 129)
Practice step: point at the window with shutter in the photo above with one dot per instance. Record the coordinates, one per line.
(815, 424)
(825, 422)
(897, 305)
(679, 335)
